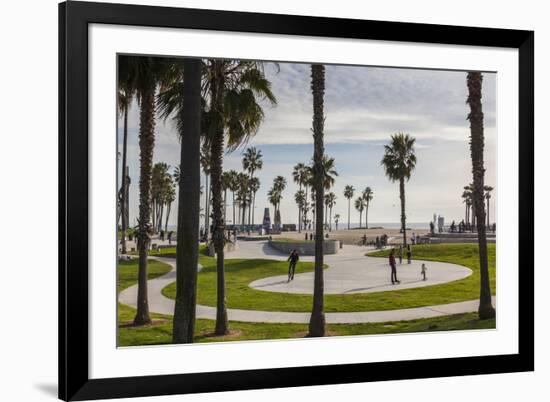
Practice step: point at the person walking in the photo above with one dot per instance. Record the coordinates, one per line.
(292, 259)
(423, 271)
(409, 254)
(170, 238)
(393, 268)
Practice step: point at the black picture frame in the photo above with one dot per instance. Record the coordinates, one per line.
(74, 18)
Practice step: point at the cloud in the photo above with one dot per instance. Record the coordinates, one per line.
(363, 107)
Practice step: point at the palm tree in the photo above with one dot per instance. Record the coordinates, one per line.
(274, 198)
(142, 75)
(367, 196)
(205, 162)
(330, 202)
(336, 220)
(360, 206)
(399, 161)
(299, 175)
(243, 182)
(469, 193)
(160, 182)
(187, 251)
(300, 198)
(254, 186)
(487, 196)
(317, 320)
(307, 183)
(124, 100)
(233, 186)
(477, 143)
(279, 185)
(177, 175)
(348, 193)
(275, 194)
(467, 196)
(170, 197)
(226, 184)
(329, 172)
(235, 88)
(252, 162)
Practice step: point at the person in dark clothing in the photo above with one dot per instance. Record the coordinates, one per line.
(170, 237)
(292, 259)
(393, 268)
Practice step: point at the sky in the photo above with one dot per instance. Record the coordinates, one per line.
(364, 106)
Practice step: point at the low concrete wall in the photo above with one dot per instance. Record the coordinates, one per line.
(329, 247)
(229, 246)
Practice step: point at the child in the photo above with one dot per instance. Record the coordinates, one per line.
(423, 272)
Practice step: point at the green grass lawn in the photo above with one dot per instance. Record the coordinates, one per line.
(160, 331)
(239, 274)
(127, 272)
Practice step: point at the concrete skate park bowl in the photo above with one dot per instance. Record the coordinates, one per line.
(304, 247)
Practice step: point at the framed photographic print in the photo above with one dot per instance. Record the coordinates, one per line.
(258, 201)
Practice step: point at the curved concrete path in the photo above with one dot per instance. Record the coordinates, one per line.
(158, 303)
(351, 272)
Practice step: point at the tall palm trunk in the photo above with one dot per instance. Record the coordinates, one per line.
(477, 142)
(403, 217)
(250, 206)
(305, 210)
(123, 211)
(168, 207)
(300, 212)
(187, 251)
(360, 218)
(225, 205)
(253, 206)
(234, 221)
(206, 207)
(488, 221)
(330, 220)
(160, 217)
(349, 210)
(367, 216)
(146, 146)
(216, 147)
(317, 320)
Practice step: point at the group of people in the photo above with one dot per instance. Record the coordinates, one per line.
(168, 236)
(415, 238)
(393, 264)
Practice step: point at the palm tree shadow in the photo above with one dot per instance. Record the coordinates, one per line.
(48, 389)
(271, 284)
(380, 286)
(268, 250)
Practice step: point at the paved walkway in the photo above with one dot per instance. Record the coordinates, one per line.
(163, 305)
(351, 272)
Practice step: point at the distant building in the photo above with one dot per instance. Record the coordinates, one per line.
(266, 224)
(440, 223)
(277, 222)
